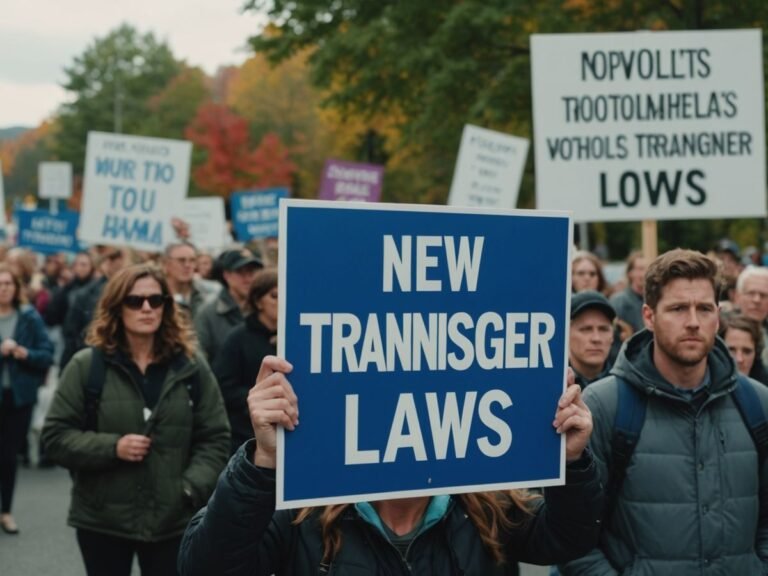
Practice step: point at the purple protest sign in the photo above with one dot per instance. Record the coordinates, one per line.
(351, 181)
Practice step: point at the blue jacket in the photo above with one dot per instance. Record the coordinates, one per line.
(28, 375)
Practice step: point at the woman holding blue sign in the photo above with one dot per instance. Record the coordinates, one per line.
(241, 533)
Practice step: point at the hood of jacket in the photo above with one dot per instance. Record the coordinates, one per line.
(635, 365)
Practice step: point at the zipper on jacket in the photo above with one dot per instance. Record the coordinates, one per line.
(175, 379)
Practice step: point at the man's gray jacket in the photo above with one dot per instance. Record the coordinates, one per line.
(690, 503)
(214, 321)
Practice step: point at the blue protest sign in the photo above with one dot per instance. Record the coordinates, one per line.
(429, 349)
(255, 212)
(41, 231)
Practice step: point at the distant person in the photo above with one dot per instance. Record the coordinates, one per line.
(629, 302)
(239, 360)
(587, 273)
(204, 266)
(63, 296)
(145, 449)
(216, 319)
(730, 255)
(179, 264)
(591, 336)
(744, 340)
(26, 353)
(84, 301)
(752, 299)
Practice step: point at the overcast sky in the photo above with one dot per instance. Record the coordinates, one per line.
(38, 38)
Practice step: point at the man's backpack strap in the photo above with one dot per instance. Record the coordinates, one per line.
(748, 402)
(93, 388)
(627, 425)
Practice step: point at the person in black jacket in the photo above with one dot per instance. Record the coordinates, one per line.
(62, 297)
(240, 533)
(237, 365)
(84, 301)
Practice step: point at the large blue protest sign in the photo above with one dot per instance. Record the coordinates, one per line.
(42, 231)
(255, 212)
(133, 187)
(429, 349)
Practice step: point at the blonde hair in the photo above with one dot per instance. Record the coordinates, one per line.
(107, 332)
(488, 511)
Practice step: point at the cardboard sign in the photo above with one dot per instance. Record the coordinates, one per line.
(48, 233)
(207, 222)
(650, 125)
(351, 181)
(54, 180)
(133, 186)
(422, 362)
(255, 213)
(488, 169)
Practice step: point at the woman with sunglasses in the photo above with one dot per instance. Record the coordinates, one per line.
(150, 456)
(26, 353)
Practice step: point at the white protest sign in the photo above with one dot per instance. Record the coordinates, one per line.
(54, 180)
(488, 169)
(133, 186)
(207, 222)
(650, 125)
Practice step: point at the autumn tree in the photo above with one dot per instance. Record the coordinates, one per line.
(112, 83)
(224, 158)
(443, 64)
(20, 158)
(173, 107)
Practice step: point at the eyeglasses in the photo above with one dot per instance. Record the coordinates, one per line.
(752, 294)
(136, 302)
(184, 261)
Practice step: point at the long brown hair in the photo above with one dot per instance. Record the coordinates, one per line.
(19, 297)
(488, 511)
(108, 333)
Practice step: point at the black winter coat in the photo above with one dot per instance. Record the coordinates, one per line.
(239, 533)
(78, 317)
(236, 367)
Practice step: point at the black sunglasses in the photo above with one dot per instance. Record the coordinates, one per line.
(135, 302)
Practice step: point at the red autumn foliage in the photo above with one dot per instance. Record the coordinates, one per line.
(230, 164)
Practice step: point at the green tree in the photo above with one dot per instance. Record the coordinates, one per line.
(173, 107)
(443, 63)
(112, 83)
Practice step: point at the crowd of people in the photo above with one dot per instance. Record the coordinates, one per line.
(169, 393)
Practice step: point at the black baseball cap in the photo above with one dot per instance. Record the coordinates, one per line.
(236, 259)
(582, 301)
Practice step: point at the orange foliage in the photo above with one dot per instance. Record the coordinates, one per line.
(9, 149)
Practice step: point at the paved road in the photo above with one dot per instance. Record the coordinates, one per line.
(46, 544)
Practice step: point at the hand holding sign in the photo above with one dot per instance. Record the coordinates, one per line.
(271, 402)
(574, 419)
